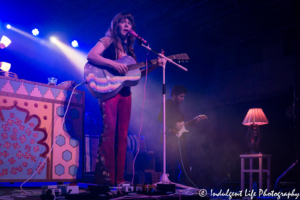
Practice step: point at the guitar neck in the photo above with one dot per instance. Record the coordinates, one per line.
(188, 123)
(143, 64)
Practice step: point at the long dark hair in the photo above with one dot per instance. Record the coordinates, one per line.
(112, 32)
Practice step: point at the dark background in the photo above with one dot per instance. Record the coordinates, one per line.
(243, 54)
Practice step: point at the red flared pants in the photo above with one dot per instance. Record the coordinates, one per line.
(113, 140)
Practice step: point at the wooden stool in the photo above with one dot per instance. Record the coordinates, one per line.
(260, 169)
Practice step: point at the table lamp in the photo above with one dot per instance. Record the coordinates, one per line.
(254, 118)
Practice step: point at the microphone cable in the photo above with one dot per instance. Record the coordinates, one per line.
(141, 118)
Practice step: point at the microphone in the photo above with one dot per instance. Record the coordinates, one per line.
(139, 38)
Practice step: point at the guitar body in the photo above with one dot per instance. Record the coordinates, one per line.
(181, 131)
(104, 83)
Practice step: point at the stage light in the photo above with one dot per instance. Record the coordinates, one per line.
(8, 26)
(5, 41)
(26, 34)
(35, 32)
(53, 39)
(74, 56)
(74, 43)
(5, 66)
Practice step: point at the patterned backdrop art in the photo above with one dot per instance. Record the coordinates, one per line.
(31, 115)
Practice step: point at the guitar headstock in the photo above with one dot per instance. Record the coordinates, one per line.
(202, 117)
(183, 57)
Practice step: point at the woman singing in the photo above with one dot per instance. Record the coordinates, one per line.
(116, 110)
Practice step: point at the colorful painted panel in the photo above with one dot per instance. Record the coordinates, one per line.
(25, 143)
(31, 116)
(68, 145)
(31, 89)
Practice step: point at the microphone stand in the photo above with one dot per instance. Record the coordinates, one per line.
(164, 178)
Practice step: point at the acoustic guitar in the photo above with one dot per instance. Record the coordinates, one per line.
(104, 82)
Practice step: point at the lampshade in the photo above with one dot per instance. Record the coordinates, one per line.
(5, 41)
(5, 66)
(255, 116)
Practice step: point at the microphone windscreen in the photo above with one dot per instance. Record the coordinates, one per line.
(131, 32)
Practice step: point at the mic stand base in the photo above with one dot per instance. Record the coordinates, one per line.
(165, 180)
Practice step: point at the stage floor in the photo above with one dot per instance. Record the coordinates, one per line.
(10, 191)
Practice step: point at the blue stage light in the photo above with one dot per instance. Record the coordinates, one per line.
(8, 26)
(74, 43)
(35, 32)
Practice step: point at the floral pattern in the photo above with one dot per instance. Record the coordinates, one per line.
(19, 155)
(29, 171)
(21, 144)
(20, 169)
(14, 137)
(27, 147)
(7, 145)
(41, 169)
(17, 122)
(4, 171)
(27, 155)
(21, 127)
(4, 136)
(15, 130)
(36, 148)
(10, 122)
(22, 139)
(24, 164)
(31, 125)
(28, 132)
(13, 170)
(5, 127)
(16, 145)
(33, 158)
(5, 154)
(12, 160)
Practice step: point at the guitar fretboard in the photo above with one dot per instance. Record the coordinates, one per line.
(143, 64)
